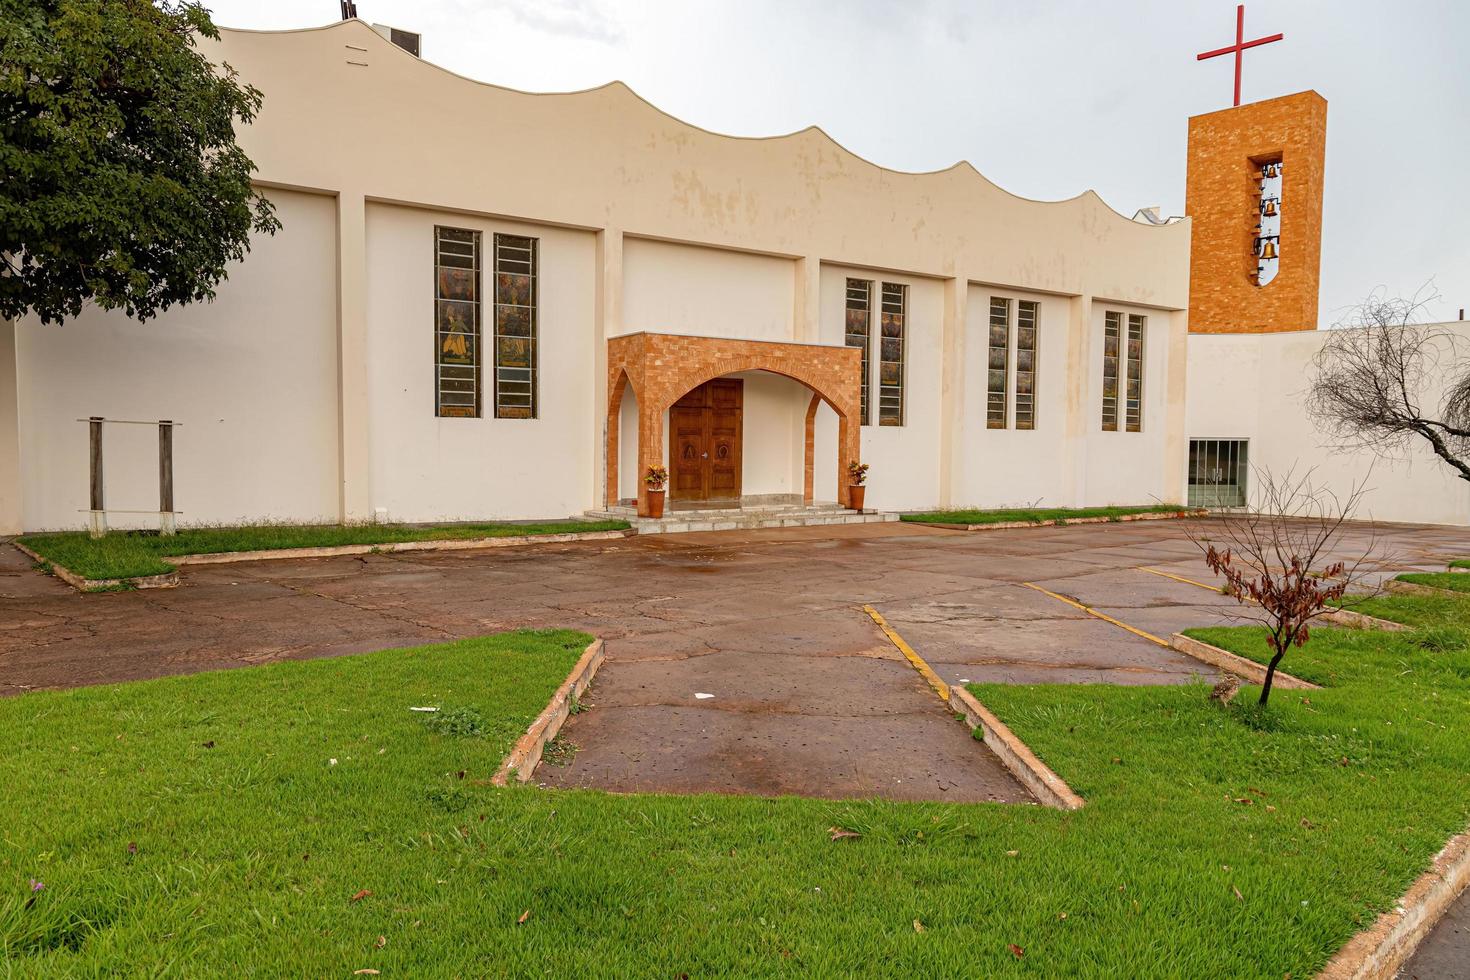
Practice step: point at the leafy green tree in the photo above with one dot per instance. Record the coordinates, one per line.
(120, 179)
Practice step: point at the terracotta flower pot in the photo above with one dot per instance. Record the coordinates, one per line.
(855, 497)
(655, 503)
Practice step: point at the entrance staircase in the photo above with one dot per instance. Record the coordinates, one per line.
(742, 518)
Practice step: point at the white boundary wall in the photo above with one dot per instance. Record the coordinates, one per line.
(1251, 386)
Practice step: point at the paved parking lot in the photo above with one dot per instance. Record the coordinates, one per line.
(807, 695)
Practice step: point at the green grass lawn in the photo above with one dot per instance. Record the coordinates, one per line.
(197, 825)
(1453, 581)
(1035, 515)
(123, 554)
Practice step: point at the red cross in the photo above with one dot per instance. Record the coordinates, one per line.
(1239, 46)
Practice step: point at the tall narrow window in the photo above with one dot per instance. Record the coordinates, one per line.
(1112, 330)
(859, 330)
(1134, 417)
(456, 323)
(515, 327)
(1026, 317)
(890, 354)
(997, 365)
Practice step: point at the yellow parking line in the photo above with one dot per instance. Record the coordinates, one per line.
(1188, 581)
(1178, 578)
(940, 688)
(1100, 615)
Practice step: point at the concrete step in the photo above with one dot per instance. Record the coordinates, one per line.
(739, 520)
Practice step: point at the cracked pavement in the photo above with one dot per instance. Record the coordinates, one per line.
(808, 696)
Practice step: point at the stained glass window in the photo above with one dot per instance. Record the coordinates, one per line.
(457, 322)
(997, 365)
(515, 327)
(1026, 326)
(891, 353)
(1112, 333)
(858, 333)
(1134, 416)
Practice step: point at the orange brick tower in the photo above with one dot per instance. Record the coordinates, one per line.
(1254, 195)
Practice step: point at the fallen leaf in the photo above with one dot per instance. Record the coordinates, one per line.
(842, 833)
(368, 972)
(132, 847)
(918, 926)
(524, 916)
(1246, 800)
(361, 895)
(382, 941)
(1061, 916)
(1011, 854)
(1238, 896)
(1270, 808)
(208, 745)
(1016, 951)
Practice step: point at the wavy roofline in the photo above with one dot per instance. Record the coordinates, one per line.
(620, 85)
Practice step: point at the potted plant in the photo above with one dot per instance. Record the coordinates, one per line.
(857, 475)
(656, 477)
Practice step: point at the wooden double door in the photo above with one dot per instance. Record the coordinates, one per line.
(704, 445)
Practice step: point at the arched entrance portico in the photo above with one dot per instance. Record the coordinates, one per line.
(662, 368)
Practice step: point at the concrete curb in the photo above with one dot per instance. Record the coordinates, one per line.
(526, 753)
(1062, 521)
(168, 580)
(165, 581)
(1048, 788)
(1231, 663)
(1362, 621)
(334, 551)
(1414, 588)
(1379, 951)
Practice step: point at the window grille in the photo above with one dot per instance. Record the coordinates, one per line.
(997, 363)
(1026, 326)
(456, 323)
(1217, 472)
(1112, 329)
(858, 334)
(515, 327)
(891, 354)
(1134, 416)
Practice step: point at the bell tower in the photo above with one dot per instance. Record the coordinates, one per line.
(1254, 196)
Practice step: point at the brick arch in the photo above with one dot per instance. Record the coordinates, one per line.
(662, 368)
(824, 381)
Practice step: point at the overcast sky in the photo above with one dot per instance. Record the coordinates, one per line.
(1046, 97)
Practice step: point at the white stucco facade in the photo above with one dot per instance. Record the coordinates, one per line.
(306, 390)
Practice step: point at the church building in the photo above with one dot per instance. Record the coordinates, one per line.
(490, 304)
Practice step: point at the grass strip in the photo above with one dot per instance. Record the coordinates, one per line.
(1032, 515)
(1453, 581)
(125, 554)
(199, 826)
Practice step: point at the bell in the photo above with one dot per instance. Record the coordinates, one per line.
(1271, 170)
(1268, 250)
(1270, 209)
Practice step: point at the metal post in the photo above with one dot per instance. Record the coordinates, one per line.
(166, 523)
(98, 526)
